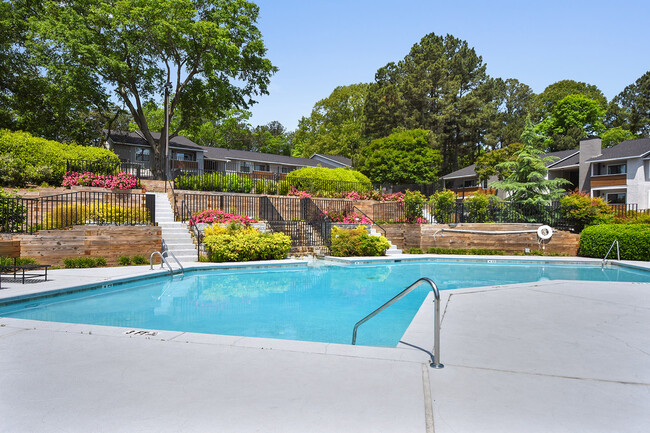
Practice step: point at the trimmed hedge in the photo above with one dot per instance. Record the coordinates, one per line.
(633, 239)
(319, 180)
(28, 159)
(96, 213)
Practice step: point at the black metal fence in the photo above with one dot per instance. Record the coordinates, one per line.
(303, 219)
(28, 215)
(109, 167)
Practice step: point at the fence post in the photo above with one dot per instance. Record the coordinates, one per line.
(150, 204)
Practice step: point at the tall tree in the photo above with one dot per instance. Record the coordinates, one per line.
(210, 51)
(335, 126)
(571, 119)
(513, 102)
(439, 86)
(403, 157)
(545, 102)
(630, 109)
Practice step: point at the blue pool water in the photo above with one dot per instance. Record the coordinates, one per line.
(309, 303)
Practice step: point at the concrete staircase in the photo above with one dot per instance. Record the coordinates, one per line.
(393, 250)
(175, 234)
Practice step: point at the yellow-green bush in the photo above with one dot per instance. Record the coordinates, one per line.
(318, 179)
(243, 244)
(96, 213)
(357, 242)
(28, 159)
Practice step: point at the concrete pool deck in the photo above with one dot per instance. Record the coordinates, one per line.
(556, 356)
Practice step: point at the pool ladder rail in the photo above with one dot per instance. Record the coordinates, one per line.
(618, 253)
(163, 261)
(435, 358)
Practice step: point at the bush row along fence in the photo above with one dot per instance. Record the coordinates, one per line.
(28, 215)
(500, 212)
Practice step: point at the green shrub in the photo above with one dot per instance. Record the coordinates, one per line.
(12, 212)
(357, 242)
(28, 159)
(469, 251)
(633, 239)
(216, 182)
(414, 202)
(124, 260)
(242, 244)
(443, 204)
(84, 262)
(271, 187)
(478, 207)
(414, 251)
(581, 210)
(8, 261)
(319, 180)
(139, 260)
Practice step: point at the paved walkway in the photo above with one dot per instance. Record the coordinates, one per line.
(547, 357)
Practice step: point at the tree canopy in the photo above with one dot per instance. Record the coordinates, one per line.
(403, 157)
(210, 51)
(335, 126)
(630, 109)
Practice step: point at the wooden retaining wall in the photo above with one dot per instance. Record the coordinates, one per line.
(425, 236)
(53, 246)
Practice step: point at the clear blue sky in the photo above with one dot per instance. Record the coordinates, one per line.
(318, 45)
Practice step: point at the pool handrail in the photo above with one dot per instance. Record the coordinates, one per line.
(167, 253)
(435, 358)
(163, 261)
(618, 253)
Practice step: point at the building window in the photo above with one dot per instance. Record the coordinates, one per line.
(142, 154)
(262, 167)
(470, 183)
(183, 156)
(616, 198)
(617, 169)
(286, 170)
(245, 167)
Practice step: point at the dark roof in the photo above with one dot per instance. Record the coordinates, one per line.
(562, 158)
(340, 159)
(221, 154)
(468, 171)
(627, 149)
(136, 138)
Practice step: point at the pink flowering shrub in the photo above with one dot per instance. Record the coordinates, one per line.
(347, 217)
(121, 180)
(294, 192)
(218, 216)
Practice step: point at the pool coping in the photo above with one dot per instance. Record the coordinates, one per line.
(413, 346)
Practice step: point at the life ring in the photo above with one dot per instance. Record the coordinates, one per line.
(544, 232)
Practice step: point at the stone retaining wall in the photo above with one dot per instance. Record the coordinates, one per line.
(51, 247)
(425, 236)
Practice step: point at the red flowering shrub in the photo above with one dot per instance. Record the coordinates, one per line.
(218, 216)
(347, 217)
(119, 181)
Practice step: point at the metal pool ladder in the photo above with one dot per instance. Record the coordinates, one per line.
(163, 261)
(435, 358)
(618, 253)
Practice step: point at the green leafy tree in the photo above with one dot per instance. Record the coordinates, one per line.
(546, 101)
(440, 86)
(210, 52)
(404, 157)
(630, 109)
(527, 183)
(335, 126)
(571, 119)
(489, 164)
(613, 136)
(513, 103)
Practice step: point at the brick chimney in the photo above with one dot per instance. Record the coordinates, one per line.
(590, 147)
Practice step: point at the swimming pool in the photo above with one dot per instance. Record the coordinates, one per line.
(310, 303)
